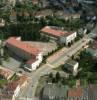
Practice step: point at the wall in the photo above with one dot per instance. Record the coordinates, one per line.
(36, 64)
(71, 38)
(16, 92)
(19, 52)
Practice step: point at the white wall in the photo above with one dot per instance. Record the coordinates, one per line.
(36, 64)
(16, 92)
(69, 38)
(75, 68)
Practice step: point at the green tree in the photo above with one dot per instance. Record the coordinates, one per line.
(57, 76)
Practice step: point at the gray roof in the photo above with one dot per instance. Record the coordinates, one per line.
(93, 33)
(92, 92)
(71, 62)
(55, 90)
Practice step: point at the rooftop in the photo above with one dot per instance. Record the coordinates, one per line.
(43, 13)
(6, 72)
(55, 31)
(75, 92)
(22, 79)
(11, 86)
(92, 92)
(94, 45)
(23, 46)
(54, 90)
(71, 62)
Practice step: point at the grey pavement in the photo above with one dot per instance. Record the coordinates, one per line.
(66, 55)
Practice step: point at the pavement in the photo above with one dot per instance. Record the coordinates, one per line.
(55, 60)
(46, 47)
(47, 68)
(66, 54)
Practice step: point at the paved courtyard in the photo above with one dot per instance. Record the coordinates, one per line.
(12, 64)
(46, 47)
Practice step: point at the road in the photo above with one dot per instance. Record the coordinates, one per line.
(71, 51)
(46, 68)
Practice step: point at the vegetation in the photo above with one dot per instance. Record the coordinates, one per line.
(14, 77)
(2, 82)
(88, 68)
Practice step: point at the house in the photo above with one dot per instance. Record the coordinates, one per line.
(92, 49)
(2, 22)
(35, 2)
(72, 66)
(92, 92)
(13, 16)
(22, 81)
(59, 35)
(44, 13)
(77, 94)
(6, 73)
(44, 3)
(10, 91)
(31, 54)
(67, 15)
(54, 92)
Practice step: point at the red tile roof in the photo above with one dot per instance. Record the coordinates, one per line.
(94, 45)
(31, 61)
(5, 73)
(75, 92)
(11, 86)
(55, 32)
(22, 79)
(23, 46)
(34, 1)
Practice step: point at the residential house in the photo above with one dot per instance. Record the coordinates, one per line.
(10, 91)
(58, 35)
(72, 66)
(31, 54)
(67, 15)
(44, 13)
(22, 81)
(92, 49)
(13, 16)
(77, 94)
(92, 92)
(35, 2)
(44, 3)
(6, 73)
(54, 92)
(2, 22)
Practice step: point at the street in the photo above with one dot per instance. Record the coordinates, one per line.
(47, 68)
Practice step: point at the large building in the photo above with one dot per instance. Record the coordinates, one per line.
(32, 55)
(77, 94)
(54, 92)
(58, 35)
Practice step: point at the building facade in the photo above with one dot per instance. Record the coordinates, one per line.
(58, 35)
(26, 52)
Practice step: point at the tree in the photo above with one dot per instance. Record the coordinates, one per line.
(57, 76)
(50, 75)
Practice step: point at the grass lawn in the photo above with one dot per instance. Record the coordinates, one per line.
(3, 82)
